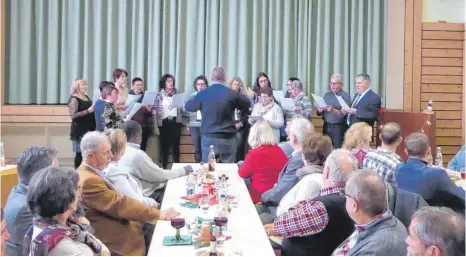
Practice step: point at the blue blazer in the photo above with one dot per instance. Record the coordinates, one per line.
(433, 184)
(367, 108)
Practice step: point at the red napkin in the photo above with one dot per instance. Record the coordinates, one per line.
(197, 197)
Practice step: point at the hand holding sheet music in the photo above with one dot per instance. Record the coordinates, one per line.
(342, 102)
(319, 101)
(131, 99)
(134, 110)
(287, 104)
(149, 98)
(177, 100)
(257, 118)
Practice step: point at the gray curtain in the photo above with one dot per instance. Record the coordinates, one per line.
(50, 43)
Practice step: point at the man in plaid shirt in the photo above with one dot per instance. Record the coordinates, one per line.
(306, 227)
(384, 159)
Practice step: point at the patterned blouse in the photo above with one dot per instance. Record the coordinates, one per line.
(111, 117)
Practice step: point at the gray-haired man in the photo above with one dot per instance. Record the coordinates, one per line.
(317, 226)
(436, 231)
(334, 120)
(377, 231)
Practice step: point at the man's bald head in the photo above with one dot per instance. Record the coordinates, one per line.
(391, 133)
(339, 164)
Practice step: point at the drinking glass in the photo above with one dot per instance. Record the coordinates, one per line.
(191, 224)
(177, 223)
(463, 173)
(204, 203)
(235, 198)
(220, 222)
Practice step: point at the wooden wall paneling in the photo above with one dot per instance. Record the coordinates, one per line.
(463, 113)
(438, 70)
(438, 61)
(441, 88)
(408, 69)
(442, 78)
(443, 35)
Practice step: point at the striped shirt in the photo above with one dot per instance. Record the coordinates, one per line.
(384, 162)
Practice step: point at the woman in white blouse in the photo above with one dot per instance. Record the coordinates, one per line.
(269, 110)
(315, 150)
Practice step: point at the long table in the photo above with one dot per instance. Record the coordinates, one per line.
(244, 225)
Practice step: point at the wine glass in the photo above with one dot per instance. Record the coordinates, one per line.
(204, 203)
(177, 223)
(220, 222)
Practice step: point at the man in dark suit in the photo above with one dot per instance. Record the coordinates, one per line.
(366, 103)
(433, 184)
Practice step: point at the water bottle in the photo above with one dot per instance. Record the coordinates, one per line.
(2, 155)
(190, 184)
(223, 187)
(439, 157)
(222, 207)
(212, 160)
(199, 179)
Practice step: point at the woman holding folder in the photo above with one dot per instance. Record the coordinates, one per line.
(169, 120)
(267, 109)
(144, 115)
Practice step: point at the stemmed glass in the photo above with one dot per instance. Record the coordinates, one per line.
(177, 223)
(220, 222)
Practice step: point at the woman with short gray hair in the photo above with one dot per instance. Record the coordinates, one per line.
(302, 103)
(53, 196)
(264, 161)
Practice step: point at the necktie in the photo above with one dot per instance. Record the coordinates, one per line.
(358, 97)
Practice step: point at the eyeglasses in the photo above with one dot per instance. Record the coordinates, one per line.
(344, 194)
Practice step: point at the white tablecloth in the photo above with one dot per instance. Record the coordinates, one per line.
(244, 225)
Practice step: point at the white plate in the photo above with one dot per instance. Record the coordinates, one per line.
(225, 251)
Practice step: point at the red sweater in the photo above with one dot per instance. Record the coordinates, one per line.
(262, 165)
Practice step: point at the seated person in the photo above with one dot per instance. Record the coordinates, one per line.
(358, 140)
(4, 232)
(263, 162)
(436, 231)
(384, 159)
(141, 166)
(116, 218)
(285, 145)
(317, 226)
(457, 163)
(17, 214)
(433, 184)
(316, 148)
(124, 182)
(377, 231)
(53, 196)
(287, 179)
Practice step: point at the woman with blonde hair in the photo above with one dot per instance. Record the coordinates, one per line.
(124, 182)
(358, 140)
(241, 119)
(81, 111)
(263, 162)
